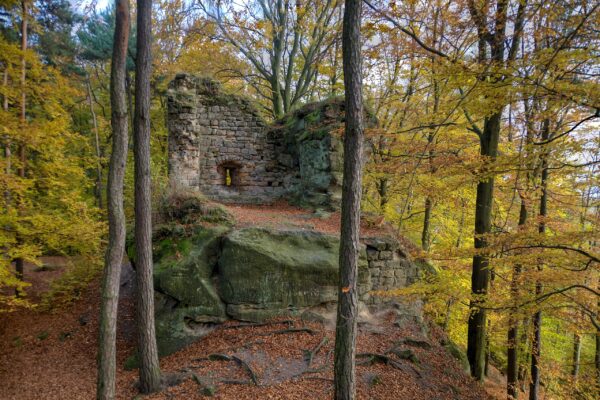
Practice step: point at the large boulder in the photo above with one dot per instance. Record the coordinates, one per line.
(187, 303)
(265, 273)
(206, 274)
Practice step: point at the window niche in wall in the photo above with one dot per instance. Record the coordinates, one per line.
(230, 172)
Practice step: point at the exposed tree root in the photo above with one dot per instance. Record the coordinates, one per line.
(289, 322)
(309, 355)
(239, 361)
(290, 330)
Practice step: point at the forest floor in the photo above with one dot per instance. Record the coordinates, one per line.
(52, 355)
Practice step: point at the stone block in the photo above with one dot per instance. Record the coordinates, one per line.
(372, 254)
(387, 273)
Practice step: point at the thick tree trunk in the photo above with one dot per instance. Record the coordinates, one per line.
(147, 351)
(107, 351)
(480, 278)
(97, 146)
(512, 353)
(346, 327)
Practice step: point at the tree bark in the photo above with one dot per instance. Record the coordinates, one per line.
(19, 262)
(346, 327)
(480, 277)
(97, 145)
(148, 354)
(425, 235)
(597, 355)
(7, 144)
(576, 355)
(512, 352)
(107, 350)
(536, 344)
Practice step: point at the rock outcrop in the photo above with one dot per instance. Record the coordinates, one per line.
(207, 273)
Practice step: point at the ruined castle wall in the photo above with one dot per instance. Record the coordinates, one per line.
(218, 144)
(389, 268)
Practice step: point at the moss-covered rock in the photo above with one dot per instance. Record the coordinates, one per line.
(313, 141)
(187, 302)
(266, 273)
(193, 208)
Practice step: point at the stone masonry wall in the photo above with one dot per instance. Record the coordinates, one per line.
(389, 267)
(213, 135)
(219, 145)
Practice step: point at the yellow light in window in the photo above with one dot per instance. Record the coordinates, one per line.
(227, 177)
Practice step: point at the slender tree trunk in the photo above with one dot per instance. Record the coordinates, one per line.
(346, 327)
(480, 278)
(461, 224)
(576, 355)
(512, 353)
(97, 145)
(536, 345)
(148, 353)
(426, 235)
(597, 356)
(524, 359)
(7, 144)
(116, 216)
(19, 262)
(382, 189)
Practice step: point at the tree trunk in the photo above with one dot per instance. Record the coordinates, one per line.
(382, 189)
(148, 353)
(576, 355)
(536, 345)
(7, 148)
(116, 216)
(130, 107)
(524, 360)
(346, 327)
(480, 278)
(97, 146)
(425, 235)
(19, 262)
(597, 356)
(512, 352)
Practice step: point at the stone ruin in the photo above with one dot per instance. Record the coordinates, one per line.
(205, 274)
(220, 146)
